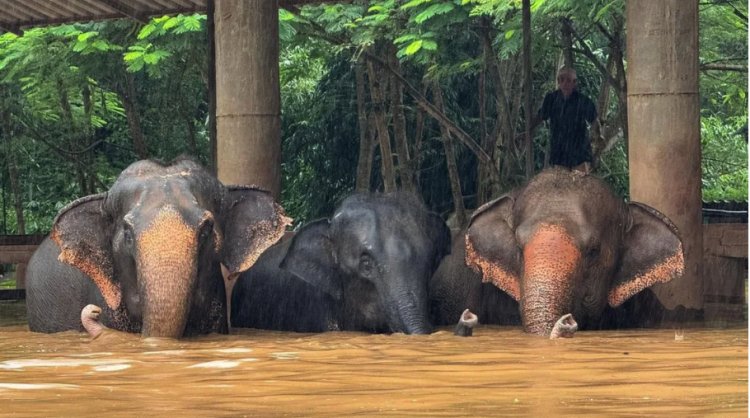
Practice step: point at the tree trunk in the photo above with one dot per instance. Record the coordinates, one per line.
(192, 142)
(527, 85)
(70, 130)
(87, 158)
(567, 44)
(404, 168)
(211, 85)
(10, 158)
(418, 137)
(431, 110)
(450, 160)
(386, 155)
(130, 104)
(364, 162)
(487, 173)
(598, 141)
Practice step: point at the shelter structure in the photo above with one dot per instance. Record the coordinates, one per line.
(663, 105)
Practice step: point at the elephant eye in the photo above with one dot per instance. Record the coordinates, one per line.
(366, 265)
(127, 235)
(593, 252)
(207, 229)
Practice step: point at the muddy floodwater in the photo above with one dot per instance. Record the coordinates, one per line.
(498, 371)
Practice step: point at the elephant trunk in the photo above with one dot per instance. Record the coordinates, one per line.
(168, 270)
(411, 314)
(551, 260)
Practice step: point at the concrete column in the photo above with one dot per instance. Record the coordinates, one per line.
(664, 128)
(248, 103)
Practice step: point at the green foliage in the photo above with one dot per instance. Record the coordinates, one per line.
(318, 136)
(64, 118)
(724, 162)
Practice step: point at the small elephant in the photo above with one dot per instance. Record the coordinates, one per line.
(564, 243)
(150, 252)
(364, 269)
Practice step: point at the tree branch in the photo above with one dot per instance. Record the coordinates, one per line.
(724, 67)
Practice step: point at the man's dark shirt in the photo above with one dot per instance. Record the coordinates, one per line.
(570, 144)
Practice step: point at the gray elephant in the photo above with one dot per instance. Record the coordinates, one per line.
(564, 243)
(150, 252)
(364, 269)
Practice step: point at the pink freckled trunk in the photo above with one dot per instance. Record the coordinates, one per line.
(550, 261)
(168, 268)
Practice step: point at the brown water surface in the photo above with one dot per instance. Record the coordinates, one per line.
(498, 371)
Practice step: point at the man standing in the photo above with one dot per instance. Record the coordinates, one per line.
(570, 113)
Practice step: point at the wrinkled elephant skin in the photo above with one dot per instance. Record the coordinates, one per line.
(364, 269)
(149, 251)
(563, 243)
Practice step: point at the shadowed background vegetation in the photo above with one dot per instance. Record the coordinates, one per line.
(436, 85)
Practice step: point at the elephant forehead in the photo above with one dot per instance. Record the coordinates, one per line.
(152, 191)
(554, 245)
(167, 235)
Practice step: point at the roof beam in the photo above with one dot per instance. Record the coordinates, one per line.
(125, 9)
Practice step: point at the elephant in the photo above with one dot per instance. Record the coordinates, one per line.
(150, 251)
(563, 243)
(364, 269)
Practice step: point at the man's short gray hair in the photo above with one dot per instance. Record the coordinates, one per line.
(566, 70)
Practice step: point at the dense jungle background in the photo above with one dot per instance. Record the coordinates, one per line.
(78, 103)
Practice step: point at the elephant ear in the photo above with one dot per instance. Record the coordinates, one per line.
(252, 222)
(652, 253)
(81, 231)
(311, 258)
(440, 237)
(491, 248)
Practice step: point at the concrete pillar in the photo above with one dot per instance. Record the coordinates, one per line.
(664, 128)
(248, 103)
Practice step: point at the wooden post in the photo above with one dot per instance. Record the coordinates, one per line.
(248, 103)
(664, 128)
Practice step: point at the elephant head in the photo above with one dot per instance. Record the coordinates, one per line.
(152, 244)
(374, 257)
(566, 244)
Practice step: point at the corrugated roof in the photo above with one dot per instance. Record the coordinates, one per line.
(16, 15)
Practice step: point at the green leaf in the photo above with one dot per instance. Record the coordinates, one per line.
(405, 38)
(413, 47)
(82, 37)
(432, 11)
(429, 45)
(285, 15)
(132, 56)
(172, 22)
(604, 10)
(414, 3)
(146, 31)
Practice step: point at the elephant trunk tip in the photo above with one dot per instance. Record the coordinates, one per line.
(90, 320)
(466, 324)
(565, 327)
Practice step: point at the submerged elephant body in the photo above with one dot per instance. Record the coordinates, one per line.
(564, 243)
(149, 251)
(365, 269)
